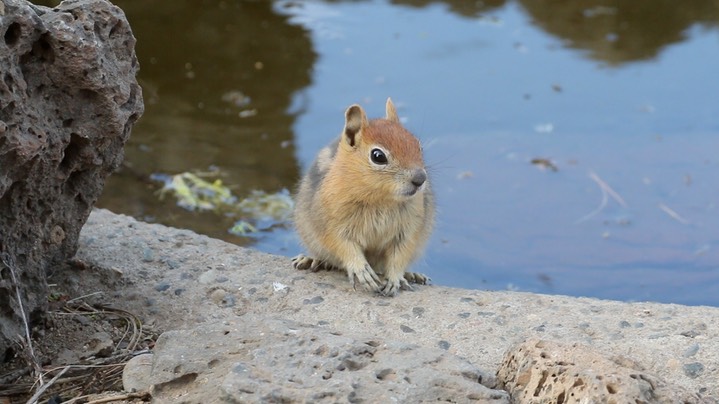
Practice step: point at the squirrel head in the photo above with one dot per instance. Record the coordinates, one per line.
(382, 157)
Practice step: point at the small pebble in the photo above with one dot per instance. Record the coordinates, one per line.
(82, 319)
(624, 324)
(147, 254)
(418, 311)
(463, 315)
(172, 264)
(162, 286)
(691, 351)
(240, 368)
(314, 300)
(406, 329)
(443, 345)
(658, 335)
(228, 301)
(690, 334)
(693, 370)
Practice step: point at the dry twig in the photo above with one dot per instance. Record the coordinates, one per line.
(143, 395)
(674, 215)
(9, 262)
(45, 386)
(607, 191)
(95, 375)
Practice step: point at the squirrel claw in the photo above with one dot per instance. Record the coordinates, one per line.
(303, 262)
(418, 278)
(391, 288)
(366, 277)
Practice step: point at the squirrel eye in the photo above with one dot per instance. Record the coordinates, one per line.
(378, 157)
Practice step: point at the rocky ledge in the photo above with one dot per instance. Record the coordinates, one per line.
(243, 326)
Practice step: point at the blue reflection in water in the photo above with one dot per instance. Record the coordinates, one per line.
(491, 93)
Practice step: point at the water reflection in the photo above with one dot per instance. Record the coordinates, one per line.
(490, 93)
(461, 7)
(219, 79)
(613, 31)
(257, 87)
(618, 31)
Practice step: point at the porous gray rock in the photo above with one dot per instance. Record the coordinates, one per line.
(265, 359)
(540, 371)
(136, 373)
(213, 282)
(68, 100)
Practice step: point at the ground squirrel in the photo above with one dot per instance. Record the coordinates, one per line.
(366, 205)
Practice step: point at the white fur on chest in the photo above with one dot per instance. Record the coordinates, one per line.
(378, 229)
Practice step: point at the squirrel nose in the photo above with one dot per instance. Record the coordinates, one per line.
(419, 177)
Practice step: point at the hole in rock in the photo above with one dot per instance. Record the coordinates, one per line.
(9, 82)
(42, 49)
(72, 152)
(115, 28)
(13, 33)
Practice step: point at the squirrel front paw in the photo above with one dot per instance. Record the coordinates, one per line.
(393, 286)
(418, 278)
(303, 262)
(366, 277)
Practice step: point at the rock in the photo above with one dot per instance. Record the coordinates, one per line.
(136, 373)
(263, 359)
(539, 371)
(267, 287)
(68, 100)
(99, 345)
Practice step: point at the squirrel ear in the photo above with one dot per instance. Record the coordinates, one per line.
(355, 121)
(391, 111)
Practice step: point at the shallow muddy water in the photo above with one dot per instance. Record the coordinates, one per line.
(573, 146)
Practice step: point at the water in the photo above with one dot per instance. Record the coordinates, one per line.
(622, 99)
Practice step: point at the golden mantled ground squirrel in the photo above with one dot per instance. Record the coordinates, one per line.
(366, 205)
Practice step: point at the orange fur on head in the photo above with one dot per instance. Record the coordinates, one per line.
(392, 136)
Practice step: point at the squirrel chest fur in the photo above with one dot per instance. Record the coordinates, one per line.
(366, 205)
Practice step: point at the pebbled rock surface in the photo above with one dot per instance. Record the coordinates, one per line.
(191, 286)
(68, 99)
(259, 359)
(540, 371)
